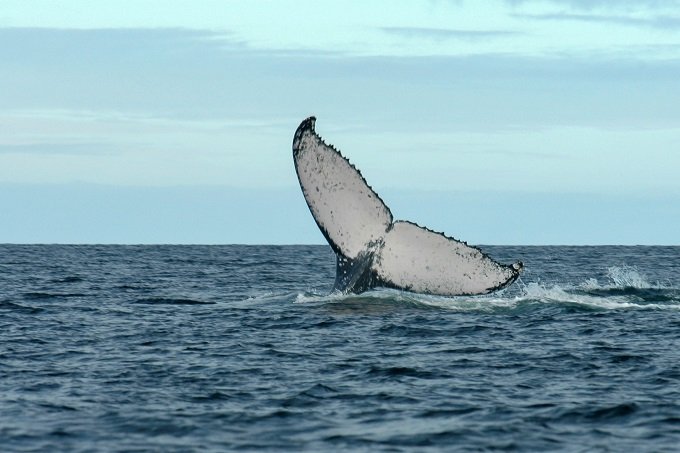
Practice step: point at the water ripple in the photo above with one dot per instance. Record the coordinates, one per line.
(226, 348)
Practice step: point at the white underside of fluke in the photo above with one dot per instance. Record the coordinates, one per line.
(373, 249)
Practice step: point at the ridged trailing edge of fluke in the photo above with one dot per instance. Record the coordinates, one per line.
(374, 250)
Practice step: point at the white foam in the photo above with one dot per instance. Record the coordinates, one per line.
(557, 294)
(316, 297)
(590, 284)
(542, 294)
(627, 277)
(621, 277)
(470, 303)
(530, 293)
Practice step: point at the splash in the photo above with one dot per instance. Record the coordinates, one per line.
(317, 297)
(621, 277)
(397, 298)
(559, 295)
(627, 277)
(587, 296)
(623, 287)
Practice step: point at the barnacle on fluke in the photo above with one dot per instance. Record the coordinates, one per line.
(374, 250)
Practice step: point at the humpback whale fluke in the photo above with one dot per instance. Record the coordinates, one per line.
(374, 250)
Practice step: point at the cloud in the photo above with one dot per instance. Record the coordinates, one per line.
(134, 70)
(95, 213)
(88, 48)
(98, 213)
(441, 34)
(606, 4)
(56, 148)
(657, 22)
(203, 76)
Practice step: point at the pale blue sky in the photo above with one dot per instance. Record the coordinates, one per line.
(506, 122)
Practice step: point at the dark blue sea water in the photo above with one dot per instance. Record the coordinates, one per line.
(240, 348)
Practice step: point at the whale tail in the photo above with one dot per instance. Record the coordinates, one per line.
(374, 250)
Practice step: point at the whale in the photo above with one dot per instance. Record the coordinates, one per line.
(372, 249)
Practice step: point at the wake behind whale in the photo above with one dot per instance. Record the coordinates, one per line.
(374, 250)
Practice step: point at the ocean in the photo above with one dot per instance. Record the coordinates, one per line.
(245, 348)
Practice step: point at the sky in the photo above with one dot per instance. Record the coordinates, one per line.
(498, 122)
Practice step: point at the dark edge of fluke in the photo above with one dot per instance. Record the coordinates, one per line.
(305, 126)
(308, 125)
(349, 277)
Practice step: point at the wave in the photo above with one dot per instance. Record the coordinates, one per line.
(50, 295)
(623, 277)
(12, 306)
(171, 301)
(611, 299)
(626, 288)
